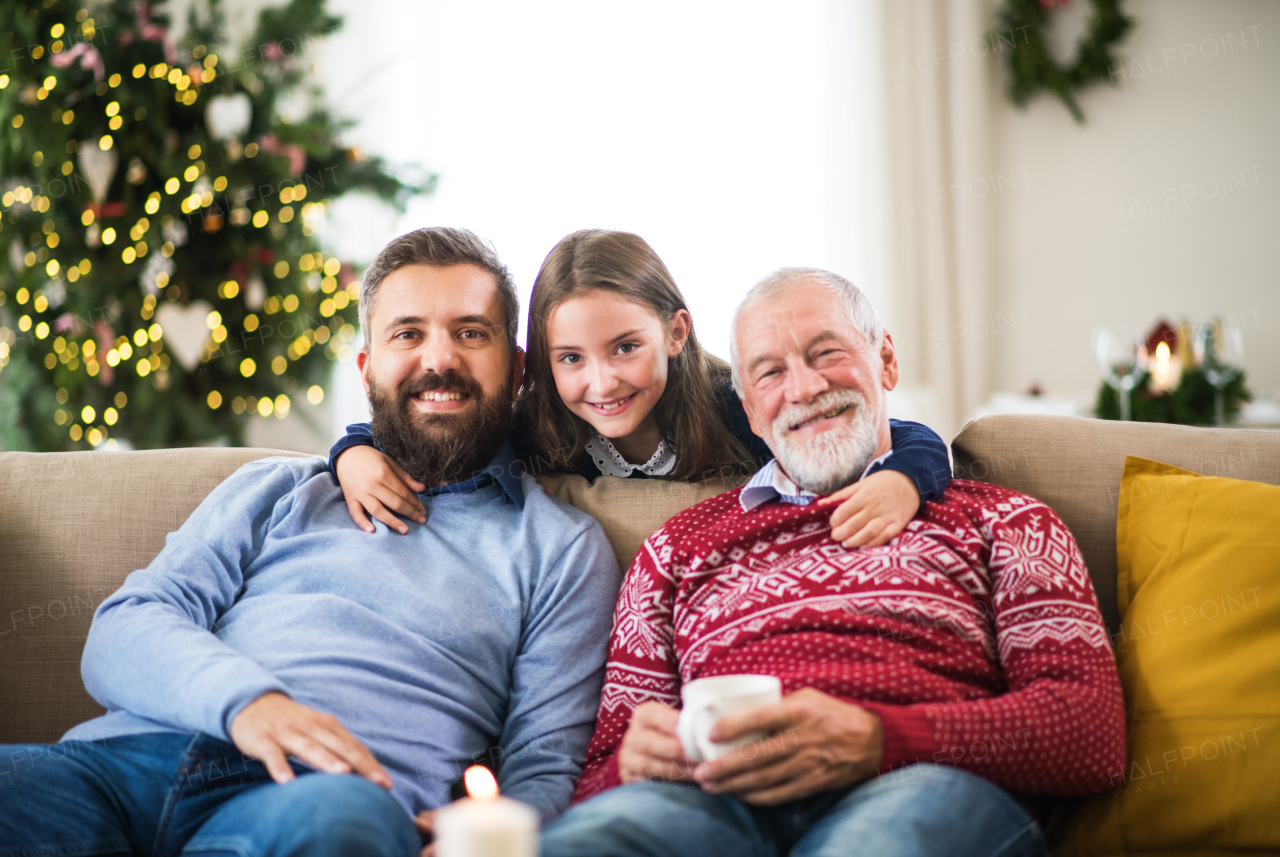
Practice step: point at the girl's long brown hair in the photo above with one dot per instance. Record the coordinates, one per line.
(686, 413)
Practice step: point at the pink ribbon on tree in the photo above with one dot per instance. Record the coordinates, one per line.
(66, 322)
(90, 59)
(147, 30)
(296, 154)
(106, 341)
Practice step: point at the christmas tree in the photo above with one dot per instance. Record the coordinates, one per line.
(164, 282)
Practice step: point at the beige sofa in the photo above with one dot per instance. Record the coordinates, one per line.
(72, 525)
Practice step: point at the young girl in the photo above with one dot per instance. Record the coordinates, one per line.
(616, 384)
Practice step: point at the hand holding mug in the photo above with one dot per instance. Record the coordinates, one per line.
(814, 742)
(651, 750)
(706, 700)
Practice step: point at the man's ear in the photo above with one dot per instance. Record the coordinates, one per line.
(889, 362)
(517, 372)
(678, 332)
(362, 363)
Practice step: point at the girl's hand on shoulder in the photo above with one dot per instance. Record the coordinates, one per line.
(375, 485)
(873, 510)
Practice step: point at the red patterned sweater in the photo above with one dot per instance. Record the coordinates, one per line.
(974, 635)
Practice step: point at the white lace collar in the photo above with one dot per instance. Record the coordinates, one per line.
(611, 463)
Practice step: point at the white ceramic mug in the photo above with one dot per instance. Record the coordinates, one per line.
(706, 700)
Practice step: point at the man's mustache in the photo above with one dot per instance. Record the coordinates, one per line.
(832, 400)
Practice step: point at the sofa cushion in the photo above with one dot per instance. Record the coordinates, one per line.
(1074, 465)
(73, 525)
(1198, 560)
(631, 509)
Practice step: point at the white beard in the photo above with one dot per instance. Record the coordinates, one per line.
(834, 458)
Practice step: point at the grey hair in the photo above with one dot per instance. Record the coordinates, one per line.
(440, 247)
(854, 303)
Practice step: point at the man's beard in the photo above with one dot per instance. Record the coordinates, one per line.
(836, 457)
(440, 448)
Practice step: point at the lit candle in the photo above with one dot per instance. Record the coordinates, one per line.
(1167, 371)
(484, 824)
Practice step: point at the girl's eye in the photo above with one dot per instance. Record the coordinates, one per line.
(571, 358)
(627, 347)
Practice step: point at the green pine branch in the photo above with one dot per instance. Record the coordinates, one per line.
(1190, 403)
(228, 230)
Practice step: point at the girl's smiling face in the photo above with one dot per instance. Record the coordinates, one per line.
(609, 360)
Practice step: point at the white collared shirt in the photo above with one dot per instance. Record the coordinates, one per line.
(771, 483)
(611, 463)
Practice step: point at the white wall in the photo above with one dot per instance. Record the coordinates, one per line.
(1165, 203)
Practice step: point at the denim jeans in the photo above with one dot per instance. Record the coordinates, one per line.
(163, 794)
(918, 810)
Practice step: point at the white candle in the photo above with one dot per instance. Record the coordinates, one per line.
(1167, 371)
(485, 825)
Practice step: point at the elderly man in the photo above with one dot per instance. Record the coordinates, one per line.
(272, 626)
(930, 685)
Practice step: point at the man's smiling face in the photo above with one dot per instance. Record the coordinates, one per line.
(812, 386)
(439, 370)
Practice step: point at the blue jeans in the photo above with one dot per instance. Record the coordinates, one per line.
(162, 794)
(918, 810)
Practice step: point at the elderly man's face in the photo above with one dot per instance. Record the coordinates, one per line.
(438, 370)
(813, 388)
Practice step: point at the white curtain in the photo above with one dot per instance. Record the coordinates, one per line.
(936, 74)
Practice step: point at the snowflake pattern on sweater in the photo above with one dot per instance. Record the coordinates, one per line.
(974, 634)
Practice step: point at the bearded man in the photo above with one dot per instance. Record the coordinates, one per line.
(932, 686)
(280, 682)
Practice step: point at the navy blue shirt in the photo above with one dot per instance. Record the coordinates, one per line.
(918, 451)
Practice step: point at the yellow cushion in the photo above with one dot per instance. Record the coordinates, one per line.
(1199, 657)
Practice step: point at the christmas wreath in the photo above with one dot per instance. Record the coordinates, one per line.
(1032, 67)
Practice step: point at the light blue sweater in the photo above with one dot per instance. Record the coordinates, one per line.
(486, 626)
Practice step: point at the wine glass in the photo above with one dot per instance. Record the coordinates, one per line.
(1121, 361)
(1219, 349)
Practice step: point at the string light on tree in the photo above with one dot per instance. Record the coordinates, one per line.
(161, 230)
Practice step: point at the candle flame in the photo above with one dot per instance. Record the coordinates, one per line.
(1167, 370)
(480, 783)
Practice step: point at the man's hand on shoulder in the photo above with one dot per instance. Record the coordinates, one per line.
(651, 749)
(814, 743)
(273, 727)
